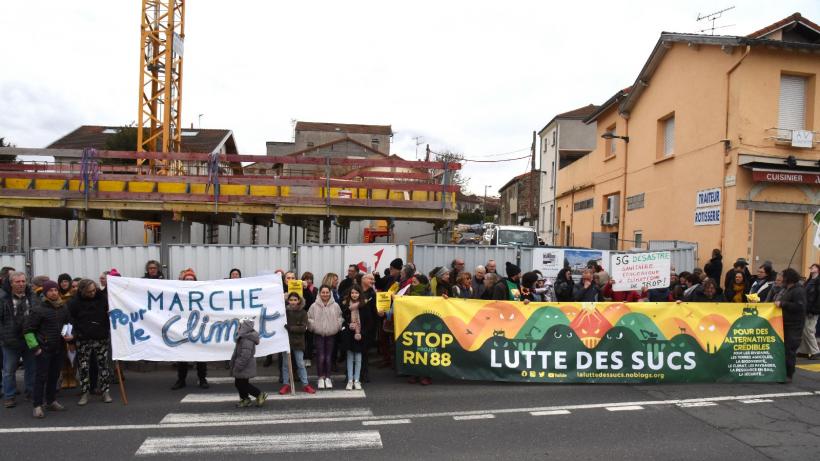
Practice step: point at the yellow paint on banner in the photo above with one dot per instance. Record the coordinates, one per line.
(295, 286)
(383, 301)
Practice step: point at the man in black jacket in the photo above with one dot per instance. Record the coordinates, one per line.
(586, 290)
(44, 337)
(793, 302)
(16, 300)
(509, 288)
(714, 268)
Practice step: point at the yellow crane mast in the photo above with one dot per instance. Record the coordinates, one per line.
(162, 38)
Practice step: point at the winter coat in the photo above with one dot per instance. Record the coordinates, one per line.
(310, 295)
(349, 342)
(762, 287)
(793, 303)
(813, 296)
(344, 286)
(297, 326)
(587, 295)
(501, 292)
(459, 291)
(731, 290)
(714, 268)
(369, 299)
(478, 288)
(563, 287)
(442, 288)
(729, 279)
(325, 319)
(89, 317)
(243, 362)
(44, 326)
(11, 322)
(698, 296)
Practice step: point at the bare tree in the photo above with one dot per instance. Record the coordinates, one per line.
(456, 177)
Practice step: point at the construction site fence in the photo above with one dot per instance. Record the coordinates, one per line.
(213, 262)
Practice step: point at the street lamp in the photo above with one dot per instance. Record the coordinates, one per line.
(485, 202)
(611, 135)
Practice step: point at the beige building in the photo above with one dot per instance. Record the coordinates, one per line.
(716, 142)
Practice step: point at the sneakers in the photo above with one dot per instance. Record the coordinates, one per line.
(307, 363)
(349, 386)
(426, 381)
(357, 385)
(328, 383)
(260, 399)
(55, 406)
(284, 390)
(203, 384)
(268, 361)
(178, 385)
(321, 383)
(38, 413)
(106, 397)
(83, 399)
(10, 403)
(309, 389)
(244, 403)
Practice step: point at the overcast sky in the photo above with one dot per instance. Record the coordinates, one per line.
(475, 77)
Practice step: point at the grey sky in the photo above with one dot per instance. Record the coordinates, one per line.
(471, 76)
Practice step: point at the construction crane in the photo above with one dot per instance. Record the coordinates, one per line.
(159, 123)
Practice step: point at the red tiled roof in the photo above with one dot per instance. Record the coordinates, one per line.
(796, 17)
(580, 112)
(205, 140)
(516, 179)
(344, 128)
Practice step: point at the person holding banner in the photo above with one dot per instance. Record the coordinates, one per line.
(45, 338)
(809, 347)
(243, 365)
(793, 302)
(89, 317)
(296, 326)
(324, 320)
(182, 367)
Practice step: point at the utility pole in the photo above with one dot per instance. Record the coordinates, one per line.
(532, 180)
(419, 141)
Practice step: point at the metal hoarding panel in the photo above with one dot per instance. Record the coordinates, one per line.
(426, 257)
(17, 261)
(214, 262)
(90, 262)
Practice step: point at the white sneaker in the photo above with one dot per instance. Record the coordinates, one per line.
(307, 363)
(328, 383)
(349, 385)
(357, 385)
(321, 383)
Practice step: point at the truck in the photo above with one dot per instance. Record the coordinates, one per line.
(510, 235)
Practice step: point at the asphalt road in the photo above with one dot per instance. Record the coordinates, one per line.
(448, 420)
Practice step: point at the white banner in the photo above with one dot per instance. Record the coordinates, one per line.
(171, 320)
(633, 271)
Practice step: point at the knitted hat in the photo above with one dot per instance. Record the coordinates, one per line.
(49, 285)
(397, 264)
(114, 273)
(512, 270)
(187, 273)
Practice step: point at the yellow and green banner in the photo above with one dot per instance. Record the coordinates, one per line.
(589, 342)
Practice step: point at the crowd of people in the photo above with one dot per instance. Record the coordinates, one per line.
(59, 331)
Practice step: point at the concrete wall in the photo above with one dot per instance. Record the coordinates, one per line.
(304, 138)
(576, 135)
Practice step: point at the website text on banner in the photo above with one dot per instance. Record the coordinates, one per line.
(589, 342)
(170, 320)
(634, 271)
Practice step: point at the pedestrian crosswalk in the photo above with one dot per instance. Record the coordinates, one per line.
(231, 397)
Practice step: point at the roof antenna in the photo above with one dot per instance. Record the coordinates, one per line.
(712, 17)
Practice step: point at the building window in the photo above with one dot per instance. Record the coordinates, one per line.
(610, 147)
(583, 205)
(638, 238)
(792, 105)
(669, 136)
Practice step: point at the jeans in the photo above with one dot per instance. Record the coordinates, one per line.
(94, 350)
(324, 349)
(354, 365)
(299, 358)
(48, 370)
(245, 388)
(809, 343)
(11, 357)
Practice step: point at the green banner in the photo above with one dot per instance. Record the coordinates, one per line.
(589, 342)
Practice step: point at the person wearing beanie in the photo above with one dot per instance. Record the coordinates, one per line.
(393, 275)
(44, 338)
(189, 275)
(509, 288)
(64, 287)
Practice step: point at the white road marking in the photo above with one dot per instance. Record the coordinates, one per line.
(697, 404)
(472, 417)
(261, 416)
(269, 379)
(550, 412)
(448, 414)
(233, 397)
(261, 443)
(625, 408)
(757, 401)
(385, 421)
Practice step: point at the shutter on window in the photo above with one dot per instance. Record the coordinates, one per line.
(792, 114)
(669, 136)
